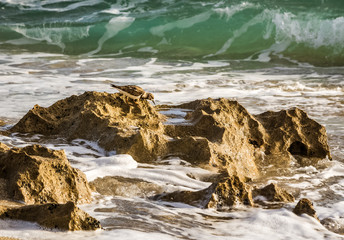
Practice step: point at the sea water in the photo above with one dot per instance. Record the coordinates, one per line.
(268, 55)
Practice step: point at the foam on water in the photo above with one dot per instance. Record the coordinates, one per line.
(28, 79)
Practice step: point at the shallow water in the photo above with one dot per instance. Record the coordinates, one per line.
(37, 78)
(268, 55)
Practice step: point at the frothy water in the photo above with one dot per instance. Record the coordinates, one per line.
(268, 55)
(40, 78)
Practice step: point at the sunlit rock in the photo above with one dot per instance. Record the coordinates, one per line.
(274, 193)
(35, 174)
(293, 132)
(115, 122)
(305, 206)
(224, 194)
(51, 215)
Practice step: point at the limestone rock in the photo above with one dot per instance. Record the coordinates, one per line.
(222, 134)
(305, 206)
(130, 128)
(61, 216)
(274, 193)
(292, 131)
(221, 195)
(35, 174)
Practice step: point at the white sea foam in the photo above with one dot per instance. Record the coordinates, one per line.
(28, 79)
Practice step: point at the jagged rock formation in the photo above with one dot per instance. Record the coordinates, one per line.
(220, 133)
(35, 174)
(221, 195)
(292, 131)
(134, 128)
(61, 216)
(274, 193)
(305, 206)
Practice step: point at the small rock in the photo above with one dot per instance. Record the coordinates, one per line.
(274, 193)
(305, 206)
(66, 216)
(125, 187)
(334, 224)
(222, 195)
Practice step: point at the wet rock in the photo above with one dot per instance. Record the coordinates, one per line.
(219, 134)
(222, 195)
(125, 187)
(305, 206)
(274, 193)
(61, 216)
(35, 174)
(334, 224)
(293, 132)
(130, 128)
(222, 134)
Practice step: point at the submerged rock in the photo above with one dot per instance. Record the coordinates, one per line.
(61, 216)
(334, 224)
(274, 193)
(35, 174)
(305, 206)
(221, 195)
(125, 187)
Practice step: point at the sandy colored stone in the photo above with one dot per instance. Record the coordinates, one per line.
(125, 187)
(274, 193)
(60, 216)
(220, 135)
(8, 238)
(221, 195)
(35, 174)
(115, 122)
(305, 206)
(293, 132)
(2, 123)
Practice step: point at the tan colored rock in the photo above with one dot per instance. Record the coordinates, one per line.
(222, 134)
(125, 187)
(274, 193)
(131, 128)
(292, 131)
(35, 174)
(2, 123)
(222, 195)
(61, 216)
(305, 206)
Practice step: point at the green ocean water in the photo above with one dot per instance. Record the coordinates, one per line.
(307, 31)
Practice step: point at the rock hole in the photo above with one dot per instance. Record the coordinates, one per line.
(298, 148)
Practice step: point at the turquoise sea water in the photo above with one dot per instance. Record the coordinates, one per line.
(308, 31)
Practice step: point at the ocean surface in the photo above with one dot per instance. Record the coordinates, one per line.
(268, 55)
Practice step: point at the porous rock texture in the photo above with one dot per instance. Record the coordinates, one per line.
(221, 195)
(36, 175)
(305, 206)
(219, 134)
(113, 121)
(293, 132)
(51, 215)
(274, 193)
